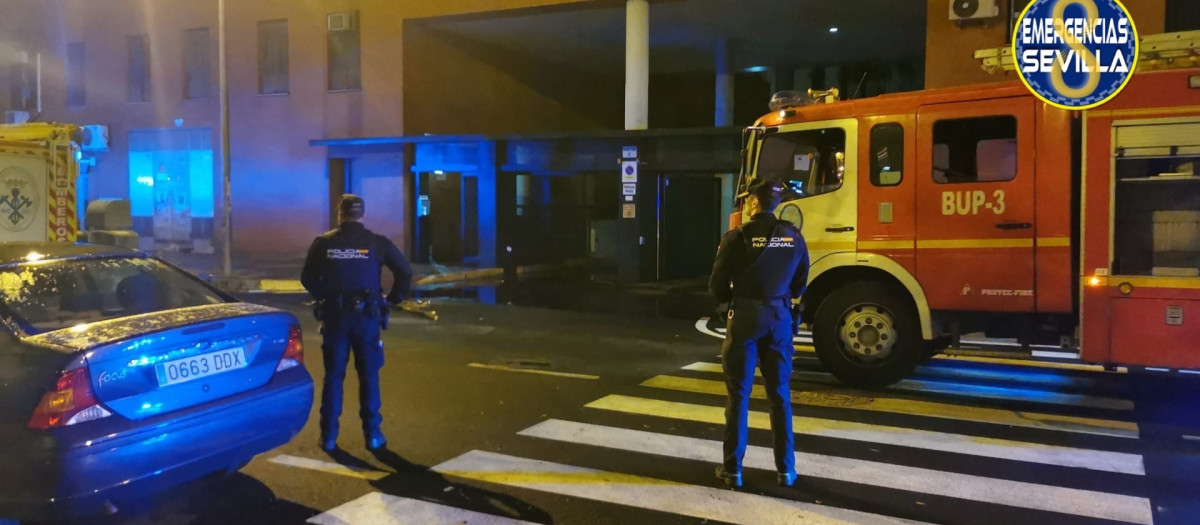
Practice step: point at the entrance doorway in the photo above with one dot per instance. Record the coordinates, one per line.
(448, 217)
(689, 225)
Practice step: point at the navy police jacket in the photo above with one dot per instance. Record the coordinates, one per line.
(348, 260)
(765, 259)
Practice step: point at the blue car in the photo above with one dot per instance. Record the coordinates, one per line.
(121, 375)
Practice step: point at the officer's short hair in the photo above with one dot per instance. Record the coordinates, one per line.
(352, 207)
(769, 193)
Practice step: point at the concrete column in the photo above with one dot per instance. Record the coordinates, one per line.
(728, 181)
(723, 115)
(637, 64)
(802, 79)
(782, 79)
(833, 79)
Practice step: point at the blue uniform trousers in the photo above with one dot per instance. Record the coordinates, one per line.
(346, 333)
(758, 333)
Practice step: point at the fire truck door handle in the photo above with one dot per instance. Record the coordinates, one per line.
(843, 229)
(1014, 226)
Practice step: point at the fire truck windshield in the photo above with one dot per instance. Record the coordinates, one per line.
(806, 163)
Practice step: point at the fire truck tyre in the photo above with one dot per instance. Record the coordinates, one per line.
(867, 335)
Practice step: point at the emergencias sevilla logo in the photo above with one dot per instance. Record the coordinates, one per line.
(1075, 54)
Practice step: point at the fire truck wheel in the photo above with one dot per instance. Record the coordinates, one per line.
(867, 335)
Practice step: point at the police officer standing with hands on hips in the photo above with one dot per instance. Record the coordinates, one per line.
(761, 268)
(342, 272)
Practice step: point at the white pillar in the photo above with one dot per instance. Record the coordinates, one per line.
(723, 114)
(637, 64)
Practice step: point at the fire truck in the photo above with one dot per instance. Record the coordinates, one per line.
(39, 168)
(982, 209)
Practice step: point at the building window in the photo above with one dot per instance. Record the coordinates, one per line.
(76, 86)
(273, 57)
(196, 63)
(23, 83)
(1183, 15)
(980, 149)
(887, 154)
(807, 163)
(139, 68)
(345, 53)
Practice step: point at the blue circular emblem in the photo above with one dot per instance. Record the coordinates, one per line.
(1075, 54)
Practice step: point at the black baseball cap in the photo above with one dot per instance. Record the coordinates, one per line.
(765, 189)
(352, 206)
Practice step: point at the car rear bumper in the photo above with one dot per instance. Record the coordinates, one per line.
(135, 464)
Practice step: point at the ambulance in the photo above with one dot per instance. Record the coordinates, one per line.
(973, 209)
(39, 169)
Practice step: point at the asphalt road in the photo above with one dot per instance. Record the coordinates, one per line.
(505, 414)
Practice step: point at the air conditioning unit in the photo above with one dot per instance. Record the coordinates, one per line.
(973, 9)
(347, 21)
(94, 138)
(16, 117)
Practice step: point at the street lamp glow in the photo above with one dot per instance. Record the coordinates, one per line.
(833, 29)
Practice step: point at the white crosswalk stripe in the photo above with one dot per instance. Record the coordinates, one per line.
(377, 508)
(1098, 476)
(963, 390)
(885, 435)
(648, 493)
(977, 488)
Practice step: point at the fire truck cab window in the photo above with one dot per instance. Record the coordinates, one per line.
(807, 163)
(887, 154)
(980, 149)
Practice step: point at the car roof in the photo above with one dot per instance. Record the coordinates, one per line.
(18, 252)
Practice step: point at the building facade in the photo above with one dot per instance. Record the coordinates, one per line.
(307, 78)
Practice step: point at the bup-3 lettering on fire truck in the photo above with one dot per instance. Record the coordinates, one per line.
(972, 202)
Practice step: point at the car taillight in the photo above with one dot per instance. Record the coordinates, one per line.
(72, 401)
(293, 356)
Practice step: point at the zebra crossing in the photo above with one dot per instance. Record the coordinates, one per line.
(962, 442)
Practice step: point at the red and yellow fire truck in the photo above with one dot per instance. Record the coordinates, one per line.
(39, 168)
(982, 209)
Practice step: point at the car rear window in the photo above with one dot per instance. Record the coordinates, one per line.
(50, 295)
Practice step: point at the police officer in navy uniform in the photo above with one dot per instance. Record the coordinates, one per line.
(342, 272)
(760, 271)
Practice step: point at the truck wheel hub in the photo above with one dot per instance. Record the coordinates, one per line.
(867, 333)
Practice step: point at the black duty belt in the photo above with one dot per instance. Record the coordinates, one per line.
(754, 301)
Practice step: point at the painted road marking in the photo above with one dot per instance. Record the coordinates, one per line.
(332, 468)
(378, 508)
(804, 343)
(906, 437)
(1036, 364)
(532, 371)
(958, 390)
(647, 493)
(963, 486)
(848, 399)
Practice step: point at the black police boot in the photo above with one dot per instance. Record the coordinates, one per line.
(787, 479)
(731, 479)
(375, 439)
